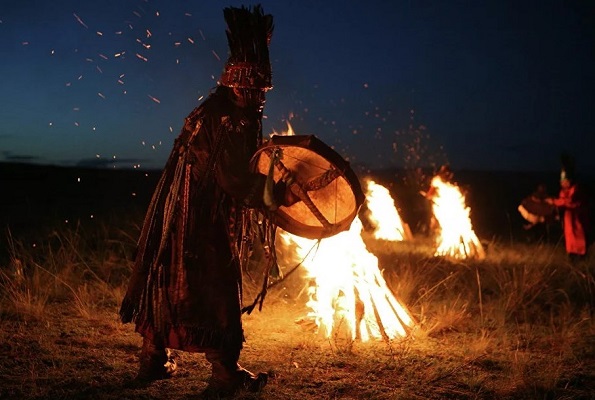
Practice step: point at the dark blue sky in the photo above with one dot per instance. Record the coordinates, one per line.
(496, 85)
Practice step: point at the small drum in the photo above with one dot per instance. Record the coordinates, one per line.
(330, 191)
(536, 211)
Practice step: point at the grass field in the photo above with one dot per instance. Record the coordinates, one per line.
(517, 325)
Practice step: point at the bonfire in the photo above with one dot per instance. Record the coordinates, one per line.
(384, 216)
(456, 237)
(348, 296)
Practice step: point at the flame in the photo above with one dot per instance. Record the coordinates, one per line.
(384, 215)
(456, 237)
(348, 296)
(288, 132)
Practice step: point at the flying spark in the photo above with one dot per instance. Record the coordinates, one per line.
(80, 20)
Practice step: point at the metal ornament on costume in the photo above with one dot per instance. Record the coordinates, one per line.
(248, 65)
(330, 191)
(246, 76)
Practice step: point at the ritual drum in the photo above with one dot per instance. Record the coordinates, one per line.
(329, 190)
(536, 210)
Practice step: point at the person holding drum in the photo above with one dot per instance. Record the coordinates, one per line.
(185, 292)
(572, 201)
(538, 212)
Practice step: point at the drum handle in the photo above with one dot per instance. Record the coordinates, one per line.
(296, 188)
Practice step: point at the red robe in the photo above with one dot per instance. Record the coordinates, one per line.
(575, 219)
(186, 284)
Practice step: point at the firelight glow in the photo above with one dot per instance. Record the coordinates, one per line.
(384, 215)
(456, 237)
(349, 297)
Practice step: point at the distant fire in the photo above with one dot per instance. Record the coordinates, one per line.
(384, 215)
(348, 296)
(456, 237)
(288, 132)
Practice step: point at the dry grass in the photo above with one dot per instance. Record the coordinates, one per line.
(517, 325)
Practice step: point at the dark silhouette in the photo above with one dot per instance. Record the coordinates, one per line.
(186, 289)
(538, 213)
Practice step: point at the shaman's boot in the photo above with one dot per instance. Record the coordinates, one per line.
(228, 376)
(156, 362)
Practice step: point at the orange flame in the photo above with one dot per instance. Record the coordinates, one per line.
(384, 215)
(456, 237)
(288, 132)
(348, 295)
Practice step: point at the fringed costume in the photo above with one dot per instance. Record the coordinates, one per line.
(186, 285)
(186, 288)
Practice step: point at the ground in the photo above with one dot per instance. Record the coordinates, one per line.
(69, 354)
(517, 325)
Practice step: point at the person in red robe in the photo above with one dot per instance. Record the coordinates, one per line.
(185, 291)
(572, 202)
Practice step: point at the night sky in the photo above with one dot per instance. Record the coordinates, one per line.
(491, 85)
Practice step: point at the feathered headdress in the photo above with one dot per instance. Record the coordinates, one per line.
(249, 33)
(568, 168)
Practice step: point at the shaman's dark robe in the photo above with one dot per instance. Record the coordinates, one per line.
(186, 284)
